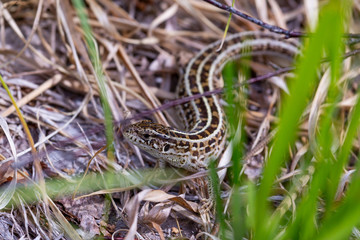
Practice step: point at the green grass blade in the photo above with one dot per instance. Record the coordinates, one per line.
(235, 117)
(326, 174)
(95, 59)
(301, 88)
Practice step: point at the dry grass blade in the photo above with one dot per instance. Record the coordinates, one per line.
(71, 232)
(17, 30)
(74, 39)
(154, 102)
(38, 91)
(87, 169)
(35, 26)
(132, 209)
(262, 10)
(7, 195)
(113, 7)
(312, 12)
(170, 12)
(60, 129)
(278, 15)
(315, 110)
(30, 140)
(186, 5)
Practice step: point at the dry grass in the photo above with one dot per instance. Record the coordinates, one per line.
(142, 45)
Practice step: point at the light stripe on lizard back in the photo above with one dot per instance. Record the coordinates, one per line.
(205, 123)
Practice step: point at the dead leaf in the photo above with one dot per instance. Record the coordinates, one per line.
(158, 214)
(87, 211)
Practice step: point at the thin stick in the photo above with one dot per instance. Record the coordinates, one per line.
(271, 28)
(204, 94)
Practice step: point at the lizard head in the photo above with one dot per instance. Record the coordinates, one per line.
(149, 136)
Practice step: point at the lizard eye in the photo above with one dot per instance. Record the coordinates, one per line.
(166, 147)
(146, 136)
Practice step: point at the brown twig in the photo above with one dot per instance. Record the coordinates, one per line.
(205, 94)
(220, 90)
(271, 28)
